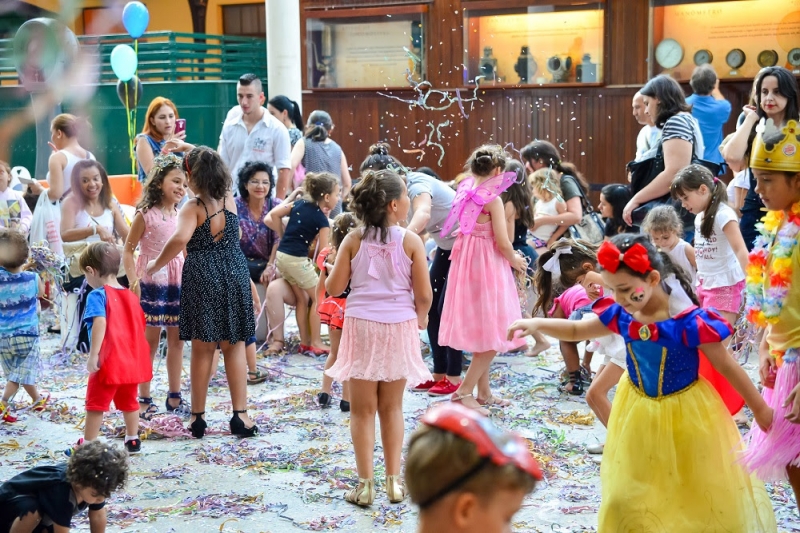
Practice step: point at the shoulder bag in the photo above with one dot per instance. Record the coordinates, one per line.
(645, 171)
(591, 227)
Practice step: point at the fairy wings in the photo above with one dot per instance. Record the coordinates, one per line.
(470, 200)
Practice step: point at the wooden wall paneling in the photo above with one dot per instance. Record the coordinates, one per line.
(444, 43)
(627, 30)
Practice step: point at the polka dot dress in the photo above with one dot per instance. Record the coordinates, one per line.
(216, 302)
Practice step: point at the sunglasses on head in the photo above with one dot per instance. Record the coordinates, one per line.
(494, 445)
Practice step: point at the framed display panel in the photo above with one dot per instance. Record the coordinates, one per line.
(348, 49)
(736, 37)
(531, 43)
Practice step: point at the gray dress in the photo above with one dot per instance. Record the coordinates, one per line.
(324, 157)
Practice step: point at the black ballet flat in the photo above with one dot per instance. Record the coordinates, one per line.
(324, 399)
(239, 429)
(344, 405)
(198, 427)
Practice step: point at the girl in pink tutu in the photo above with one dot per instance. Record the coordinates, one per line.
(773, 301)
(481, 295)
(379, 353)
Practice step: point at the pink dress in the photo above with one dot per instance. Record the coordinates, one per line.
(380, 337)
(161, 292)
(480, 300)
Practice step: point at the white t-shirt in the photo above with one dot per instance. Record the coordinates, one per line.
(678, 256)
(268, 141)
(717, 265)
(541, 209)
(647, 138)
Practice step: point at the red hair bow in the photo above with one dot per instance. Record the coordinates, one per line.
(636, 258)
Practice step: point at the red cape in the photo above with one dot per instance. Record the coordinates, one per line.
(124, 354)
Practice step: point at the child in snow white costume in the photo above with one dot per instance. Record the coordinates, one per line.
(668, 464)
(773, 302)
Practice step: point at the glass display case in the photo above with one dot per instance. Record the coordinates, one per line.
(736, 37)
(366, 51)
(534, 44)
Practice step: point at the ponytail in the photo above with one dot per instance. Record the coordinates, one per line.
(693, 177)
(284, 103)
(319, 126)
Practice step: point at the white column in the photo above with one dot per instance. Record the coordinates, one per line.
(284, 67)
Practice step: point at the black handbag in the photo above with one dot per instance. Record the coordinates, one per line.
(645, 171)
(591, 227)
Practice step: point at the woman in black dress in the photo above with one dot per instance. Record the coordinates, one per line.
(216, 299)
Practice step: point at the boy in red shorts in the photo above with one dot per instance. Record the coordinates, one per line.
(119, 357)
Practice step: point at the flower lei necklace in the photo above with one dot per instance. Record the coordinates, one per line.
(776, 239)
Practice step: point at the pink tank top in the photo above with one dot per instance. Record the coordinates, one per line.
(157, 231)
(380, 281)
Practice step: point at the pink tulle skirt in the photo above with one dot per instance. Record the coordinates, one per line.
(481, 299)
(374, 351)
(768, 454)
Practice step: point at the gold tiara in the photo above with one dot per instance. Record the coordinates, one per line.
(779, 156)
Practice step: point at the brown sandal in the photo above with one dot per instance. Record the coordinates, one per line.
(273, 350)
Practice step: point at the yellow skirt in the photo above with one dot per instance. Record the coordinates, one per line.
(669, 466)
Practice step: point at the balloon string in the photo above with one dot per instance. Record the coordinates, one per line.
(128, 115)
(135, 106)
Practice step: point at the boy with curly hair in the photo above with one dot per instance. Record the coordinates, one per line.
(45, 498)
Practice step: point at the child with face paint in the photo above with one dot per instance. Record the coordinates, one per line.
(669, 461)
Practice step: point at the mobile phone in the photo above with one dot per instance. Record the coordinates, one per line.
(180, 125)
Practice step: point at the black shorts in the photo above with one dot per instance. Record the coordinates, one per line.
(18, 507)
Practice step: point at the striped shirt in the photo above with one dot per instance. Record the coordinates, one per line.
(684, 126)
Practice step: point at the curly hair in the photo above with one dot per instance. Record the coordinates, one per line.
(14, 248)
(372, 195)
(485, 159)
(317, 185)
(100, 466)
(151, 191)
(341, 226)
(207, 173)
(247, 172)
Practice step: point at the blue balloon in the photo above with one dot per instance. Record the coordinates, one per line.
(124, 62)
(135, 18)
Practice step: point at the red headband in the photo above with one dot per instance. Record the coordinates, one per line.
(636, 258)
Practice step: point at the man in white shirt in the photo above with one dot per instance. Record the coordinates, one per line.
(648, 135)
(250, 133)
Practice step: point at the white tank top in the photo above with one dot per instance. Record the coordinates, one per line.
(72, 159)
(678, 255)
(84, 220)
